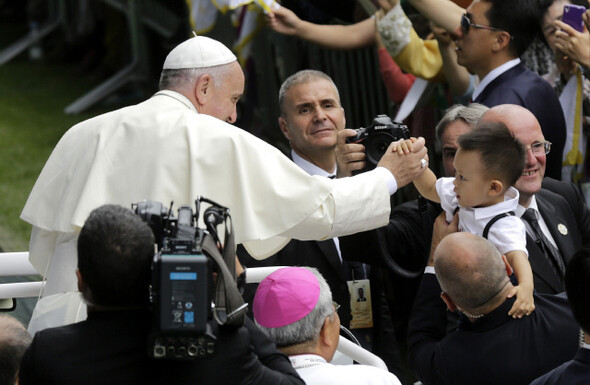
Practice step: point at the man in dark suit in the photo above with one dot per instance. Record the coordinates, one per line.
(577, 284)
(489, 346)
(493, 35)
(311, 115)
(115, 253)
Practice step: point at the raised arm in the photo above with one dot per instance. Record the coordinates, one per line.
(426, 185)
(414, 55)
(457, 76)
(395, 80)
(353, 36)
(443, 13)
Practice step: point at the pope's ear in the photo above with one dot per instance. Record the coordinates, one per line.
(203, 88)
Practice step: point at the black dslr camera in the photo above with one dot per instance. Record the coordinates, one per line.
(377, 137)
(182, 281)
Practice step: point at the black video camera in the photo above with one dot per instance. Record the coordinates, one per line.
(182, 287)
(377, 137)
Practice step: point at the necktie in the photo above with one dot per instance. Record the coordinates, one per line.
(549, 250)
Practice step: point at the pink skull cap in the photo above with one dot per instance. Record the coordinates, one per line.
(285, 296)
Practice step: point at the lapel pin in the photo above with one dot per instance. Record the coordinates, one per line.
(562, 229)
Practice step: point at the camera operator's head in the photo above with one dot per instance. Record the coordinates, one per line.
(293, 307)
(115, 252)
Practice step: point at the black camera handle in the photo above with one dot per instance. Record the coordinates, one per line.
(230, 308)
(424, 210)
(392, 264)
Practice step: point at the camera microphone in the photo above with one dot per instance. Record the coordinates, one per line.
(213, 216)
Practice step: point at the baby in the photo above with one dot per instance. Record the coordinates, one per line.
(487, 164)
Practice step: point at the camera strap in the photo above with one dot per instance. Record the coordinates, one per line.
(230, 308)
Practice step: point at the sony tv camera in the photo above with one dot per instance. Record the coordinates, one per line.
(182, 287)
(377, 137)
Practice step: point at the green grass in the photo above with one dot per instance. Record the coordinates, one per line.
(33, 96)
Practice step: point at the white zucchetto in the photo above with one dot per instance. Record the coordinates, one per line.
(198, 52)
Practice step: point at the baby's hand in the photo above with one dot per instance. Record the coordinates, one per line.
(524, 304)
(403, 146)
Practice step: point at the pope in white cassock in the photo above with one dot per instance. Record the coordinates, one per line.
(176, 146)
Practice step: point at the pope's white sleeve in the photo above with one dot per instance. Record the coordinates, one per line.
(358, 203)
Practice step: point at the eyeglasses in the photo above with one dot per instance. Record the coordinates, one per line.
(540, 148)
(466, 23)
(336, 307)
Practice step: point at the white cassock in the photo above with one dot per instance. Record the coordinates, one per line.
(163, 150)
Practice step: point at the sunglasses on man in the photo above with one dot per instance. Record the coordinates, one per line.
(466, 24)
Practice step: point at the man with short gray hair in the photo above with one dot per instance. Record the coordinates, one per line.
(293, 307)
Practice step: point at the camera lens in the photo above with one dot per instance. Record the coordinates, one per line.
(376, 146)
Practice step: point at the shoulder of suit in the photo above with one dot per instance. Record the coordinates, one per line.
(557, 186)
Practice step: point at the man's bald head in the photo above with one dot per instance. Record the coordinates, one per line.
(470, 270)
(526, 128)
(510, 114)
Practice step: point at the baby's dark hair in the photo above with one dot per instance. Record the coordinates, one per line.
(501, 153)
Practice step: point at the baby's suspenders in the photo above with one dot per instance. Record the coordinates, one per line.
(486, 230)
(495, 219)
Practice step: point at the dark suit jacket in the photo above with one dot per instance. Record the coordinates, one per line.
(496, 349)
(406, 240)
(560, 204)
(110, 347)
(575, 372)
(406, 237)
(520, 86)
